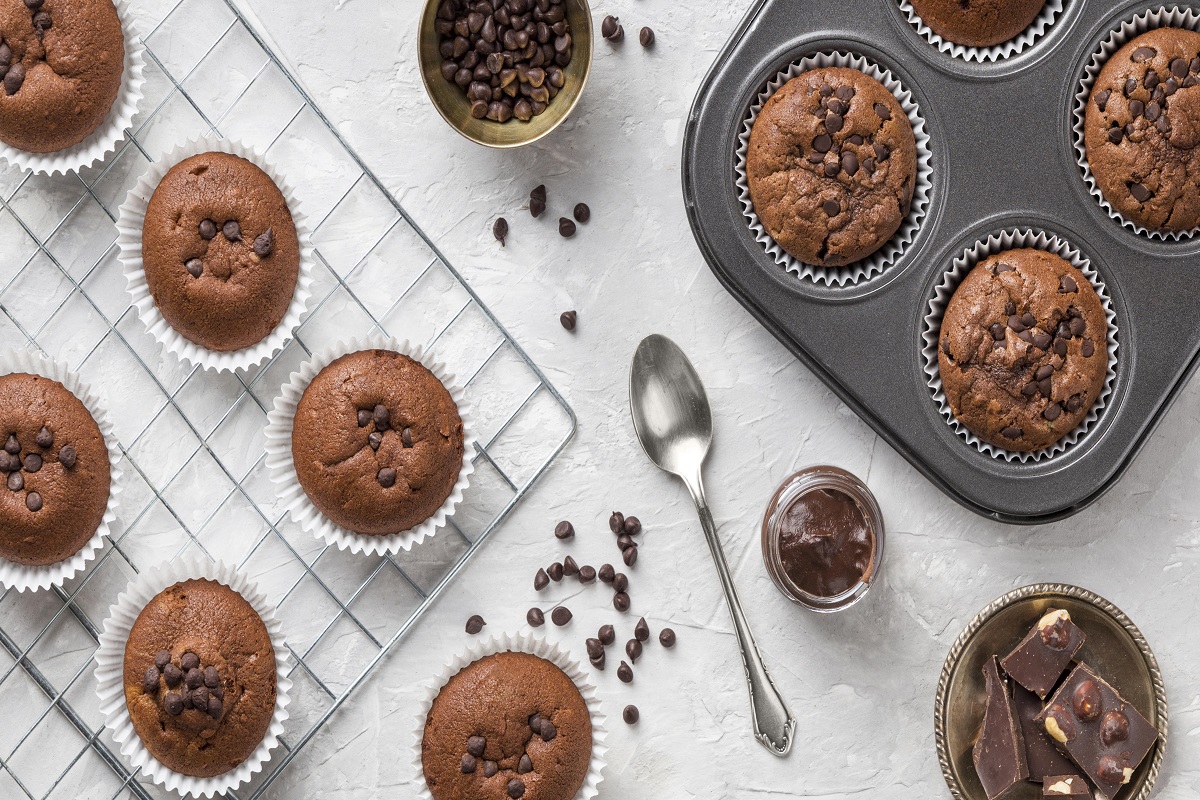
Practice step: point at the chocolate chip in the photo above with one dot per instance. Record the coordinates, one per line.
(621, 602)
(364, 417)
(1074, 403)
(1078, 326)
(882, 111)
(1011, 432)
(33, 463)
(1101, 97)
(548, 732)
(468, 763)
(609, 27)
(598, 663)
(1015, 323)
(232, 230)
(1139, 192)
(8, 463)
(629, 556)
(381, 417)
(161, 659)
(172, 674)
(16, 482)
(1044, 371)
(850, 164)
(1136, 108)
(641, 630)
(633, 649)
(173, 704)
(215, 707)
(568, 319)
(516, 788)
(34, 5)
(625, 673)
(537, 200)
(1143, 54)
(607, 635)
(1052, 412)
(475, 624)
(150, 680)
(540, 580)
(264, 243)
(581, 212)
(211, 678)
(624, 542)
(406, 439)
(44, 438)
(375, 439)
(1041, 340)
(822, 143)
(632, 526)
(535, 618)
(1060, 347)
(666, 637)
(620, 582)
(833, 123)
(1088, 348)
(831, 170)
(555, 571)
(14, 79)
(208, 229)
(560, 616)
(525, 764)
(195, 267)
(490, 768)
(566, 228)
(1115, 134)
(1066, 285)
(832, 208)
(1046, 387)
(386, 477)
(42, 21)
(193, 678)
(616, 522)
(500, 229)
(570, 567)
(595, 648)
(630, 715)
(5, 55)
(606, 573)
(587, 574)
(881, 152)
(476, 745)
(200, 699)
(12, 446)
(564, 530)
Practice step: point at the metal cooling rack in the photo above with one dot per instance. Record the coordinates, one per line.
(193, 443)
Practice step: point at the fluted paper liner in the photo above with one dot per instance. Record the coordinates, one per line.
(1050, 13)
(129, 239)
(520, 643)
(103, 140)
(110, 673)
(997, 243)
(283, 469)
(26, 578)
(1130, 29)
(891, 250)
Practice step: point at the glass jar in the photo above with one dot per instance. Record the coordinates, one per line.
(792, 490)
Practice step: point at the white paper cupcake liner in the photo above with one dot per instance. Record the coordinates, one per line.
(1014, 46)
(110, 673)
(520, 643)
(104, 139)
(283, 470)
(129, 238)
(1130, 29)
(996, 243)
(886, 255)
(26, 578)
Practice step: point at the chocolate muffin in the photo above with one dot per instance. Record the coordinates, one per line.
(1023, 351)
(55, 471)
(979, 23)
(377, 442)
(220, 251)
(1142, 130)
(61, 63)
(832, 165)
(200, 678)
(510, 725)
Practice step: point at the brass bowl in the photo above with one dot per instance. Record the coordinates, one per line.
(1114, 647)
(451, 101)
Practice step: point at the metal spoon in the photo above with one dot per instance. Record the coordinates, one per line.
(674, 425)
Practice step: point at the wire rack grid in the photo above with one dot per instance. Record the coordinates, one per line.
(192, 442)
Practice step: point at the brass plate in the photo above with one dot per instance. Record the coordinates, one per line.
(451, 101)
(1115, 648)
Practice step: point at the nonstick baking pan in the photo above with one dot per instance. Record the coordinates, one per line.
(1003, 157)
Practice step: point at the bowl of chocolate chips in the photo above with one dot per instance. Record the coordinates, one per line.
(504, 73)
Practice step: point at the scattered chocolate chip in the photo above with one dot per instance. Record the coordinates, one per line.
(1139, 192)
(406, 439)
(476, 745)
(621, 602)
(625, 673)
(633, 526)
(16, 481)
(581, 212)
(44, 438)
(540, 580)
(1136, 108)
(375, 439)
(548, 732)
(620, 582)
(500, 230)
(535, 618)
(646, 37)
(822, 143)
(610, 28)
(831, 208)
(516, 788)
(537, 200)
(1043, 372)
(1101, 97)
(564, 530)
(641, 630)
(195, 267)
(568, 320)
(1115, 134)
(381, 417)
(468, 763)
(1143, 54)
(587, 574)
(232, 230)
(490, 768)
(12, 446)
(150, 680)
(475, 624)
(607, 635)
(14, 79)
(208, 229)
(630, 715)
(616, 522)
(1088, 348)
(598, 663)
(566, 228)
(173, 704)
(633, 649)
(624, 542)
(666, 637)
(883, 112)
(264, 243)
(834, 123)
(364, 417)
(555, 571)
(595, 648)
(560, 616)
(525, 764)
(1011, 432)
(629, 555)
(570, 567)
(386, 477)
(606, 573)
(1052, 412)
(172, 674)
(33, 463)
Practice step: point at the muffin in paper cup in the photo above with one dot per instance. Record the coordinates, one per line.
(110, 673)
(283, 470)
(28, 578)
(1130, 29)
(519, 643)
(894, 248)
(1016, 238)
(1049, 14)
(108, 136)
(129, 239)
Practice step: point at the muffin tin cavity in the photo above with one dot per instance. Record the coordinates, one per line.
(1050, 13)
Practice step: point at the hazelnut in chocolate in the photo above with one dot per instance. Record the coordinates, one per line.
(1066, 786)
(1045, 653)
(1043, 757)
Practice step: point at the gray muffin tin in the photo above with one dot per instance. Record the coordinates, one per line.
(1003, 157)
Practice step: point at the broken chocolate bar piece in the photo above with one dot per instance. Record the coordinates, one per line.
(1044, 655)
(1098, 729)
(999, 752)
(1066, 786)
(1044, 759)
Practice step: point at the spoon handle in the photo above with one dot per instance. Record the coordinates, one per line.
(774, 725)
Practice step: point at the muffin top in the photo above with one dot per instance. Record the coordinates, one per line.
(832, 166)
(200, 678)
(220, 251)
(61, 63)
(1023, 349)
(510, 725)
(54, 471)
(377, 442)
(1142, 129)
(980, 23)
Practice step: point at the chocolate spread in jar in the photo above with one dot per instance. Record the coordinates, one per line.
(825, 542)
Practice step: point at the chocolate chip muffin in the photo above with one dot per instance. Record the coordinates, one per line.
(377, 442)
(1023, 351)
(200, 678)
(220, 251)
(1142, 130)
(978, 23)
(832, 165)
(61, 63)
(55, 469)
(510, 725)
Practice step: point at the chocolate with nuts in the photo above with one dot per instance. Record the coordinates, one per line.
(999, 751)
(1044, 654)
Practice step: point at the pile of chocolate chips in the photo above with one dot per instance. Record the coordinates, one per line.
(231, 229)
(193, 687)
(379, 418)
(12, 74)
(16, 466)
(507, 55)
(539, 726)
